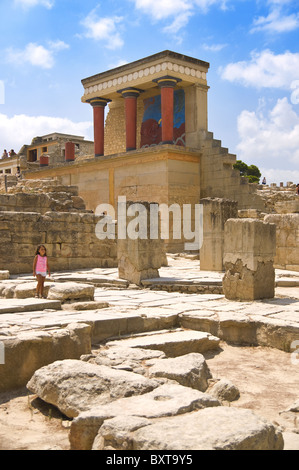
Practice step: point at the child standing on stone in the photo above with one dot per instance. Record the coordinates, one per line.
(40, 269)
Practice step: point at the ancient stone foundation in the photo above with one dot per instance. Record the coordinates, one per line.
(216, 211)
(70, 240)
(249, 249)
(141, 257)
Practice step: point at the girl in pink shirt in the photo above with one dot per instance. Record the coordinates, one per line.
(40, 269)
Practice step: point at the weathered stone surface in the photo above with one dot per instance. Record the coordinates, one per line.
(4, 274)
(75, 386)
(173, 344)
(65, 291)
(287, 240)
(190, 370)
(28, 289)
(215, 213)
(249, 249)
(125, 357)
(89, 305)
(141, 256)
(114, 432)
(31, 350)
(220, 428)
(166, 400)
(225, 390)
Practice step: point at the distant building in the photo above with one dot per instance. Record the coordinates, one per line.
(52, 145)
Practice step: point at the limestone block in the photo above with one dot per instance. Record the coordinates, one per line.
(249, 249)
(4, 275)
(93, 385)
(28, 289)
(31, 350)
(216, 212)
(139, 255)
(126, 357)
(216, 428)
(287, 239)
(190, 370)
(173, 344)
(225, 390)
(66, 291)
(166, 400)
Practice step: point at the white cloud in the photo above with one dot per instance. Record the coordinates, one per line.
(35, 54)
(103, 29)
(270, 138)
(163, 8)
(213, 47)
(179, 10)
(265, 69)
(58, 45)
(20, 129)
(277, 175)
(32, 3)
(276, 22)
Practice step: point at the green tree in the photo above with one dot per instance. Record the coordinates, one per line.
(251, 172)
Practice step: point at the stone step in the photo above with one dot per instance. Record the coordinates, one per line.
(172, 343)
(191, 287)
(27, 305)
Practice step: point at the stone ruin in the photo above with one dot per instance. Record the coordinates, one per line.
(152, 379)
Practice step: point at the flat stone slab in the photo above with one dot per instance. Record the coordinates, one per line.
(217, 428)
(27, 305)
(166, 400)
(176, 343)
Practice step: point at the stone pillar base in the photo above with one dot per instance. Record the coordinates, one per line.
(139, 258)
(241, 283)
(249, 249)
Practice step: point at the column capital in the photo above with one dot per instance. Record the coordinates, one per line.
(167, 81)
(130, 92)
(98, 101)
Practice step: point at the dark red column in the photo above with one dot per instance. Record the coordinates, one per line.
(44, 160)
(98, 105)
(167, 85)
(130, 95)
(69, 151)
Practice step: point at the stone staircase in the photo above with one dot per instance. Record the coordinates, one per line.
(219, 179)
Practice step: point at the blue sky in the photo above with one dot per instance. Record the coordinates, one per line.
(48, 46)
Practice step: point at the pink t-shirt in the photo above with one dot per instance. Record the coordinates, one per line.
(41, 264)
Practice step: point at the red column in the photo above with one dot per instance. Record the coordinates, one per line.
(167, 114)
(44, 160)
(167, 85)
(130, 95)
(98, 105)
(69, 151)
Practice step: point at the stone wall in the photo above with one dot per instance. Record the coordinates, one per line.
(70, 240)
(287, 240)
(40, 196)
(115, 127)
